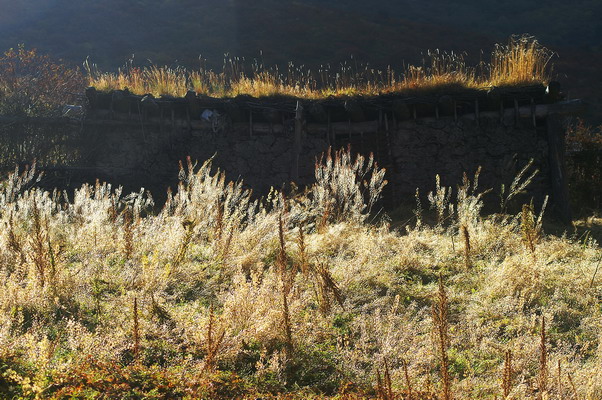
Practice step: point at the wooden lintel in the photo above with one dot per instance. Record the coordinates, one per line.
(572, 107)
(531, 111)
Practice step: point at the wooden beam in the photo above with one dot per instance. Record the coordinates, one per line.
(556, 158)
(299, 122)
(251, 123)
(541, 111)
(329, 135)
(533, 119)
(455, 110)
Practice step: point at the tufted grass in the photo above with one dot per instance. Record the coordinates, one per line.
(522, 61)
(218, 295)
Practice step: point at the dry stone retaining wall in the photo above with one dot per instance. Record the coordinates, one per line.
(413, 153)
(139, 141)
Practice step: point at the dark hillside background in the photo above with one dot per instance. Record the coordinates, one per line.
(310, 32)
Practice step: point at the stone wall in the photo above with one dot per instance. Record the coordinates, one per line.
(424, 148)
(151, 158)
(137, 151)
(412, 151)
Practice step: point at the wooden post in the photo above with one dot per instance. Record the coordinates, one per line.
(362, 142)
(377, 156)
(172, 134)
(173, 120)
(250, 122)
(298, 136)
(161, 121)
(389, 153)
(386, 122)
(533, 108)
(556, 148)
(349, 130)
(188, 122)
(329, 132)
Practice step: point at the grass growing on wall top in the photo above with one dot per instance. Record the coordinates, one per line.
(522, 61)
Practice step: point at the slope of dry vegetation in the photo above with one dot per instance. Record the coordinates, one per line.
(221, 296)
(33, 84)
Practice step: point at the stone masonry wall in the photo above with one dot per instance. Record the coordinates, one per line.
(424, 148)
(129, 157)
(413, 152)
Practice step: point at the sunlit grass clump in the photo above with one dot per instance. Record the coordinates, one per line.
(522, 62)
(220, 295)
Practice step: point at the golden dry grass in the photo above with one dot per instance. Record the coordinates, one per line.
(522, 61)
(218, 295)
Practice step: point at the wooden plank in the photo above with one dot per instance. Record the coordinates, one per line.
(541, 111)
(39, 120)
(103, 119)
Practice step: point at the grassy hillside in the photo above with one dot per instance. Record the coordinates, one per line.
(217, 296)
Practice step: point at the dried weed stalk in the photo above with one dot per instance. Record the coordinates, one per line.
(406, 373)
(214, 342)
(286, 281)
(441, 326)
(136, 332)
(128, 233)
(466, 237)
(543, 361)
(507, 376)
(384, 386)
